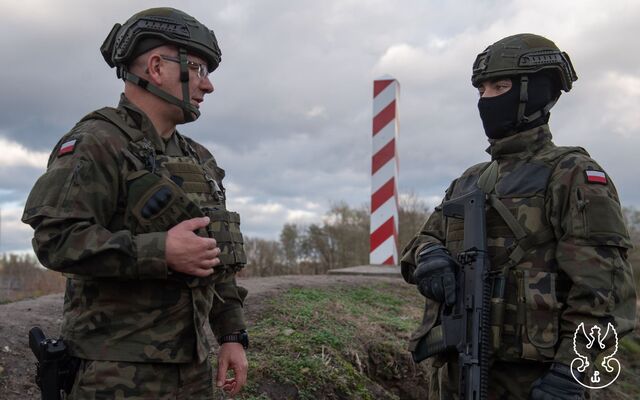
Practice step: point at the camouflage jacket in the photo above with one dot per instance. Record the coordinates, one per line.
(565, 249)
(122, 302)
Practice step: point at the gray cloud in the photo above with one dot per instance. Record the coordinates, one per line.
(290, 119)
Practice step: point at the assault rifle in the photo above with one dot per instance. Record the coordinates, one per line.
(465, 326)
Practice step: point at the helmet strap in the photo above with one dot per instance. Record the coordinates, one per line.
(184, 79)
(524, 98)
(190, 112)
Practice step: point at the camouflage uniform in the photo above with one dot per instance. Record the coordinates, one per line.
(122, 303)
(563, 245)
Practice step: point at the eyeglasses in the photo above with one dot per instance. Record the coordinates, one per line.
(202, 69)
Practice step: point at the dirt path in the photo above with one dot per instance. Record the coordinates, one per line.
(17, 366)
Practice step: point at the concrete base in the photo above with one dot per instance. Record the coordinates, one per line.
(370, 270)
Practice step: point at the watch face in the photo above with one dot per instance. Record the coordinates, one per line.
(244, 339)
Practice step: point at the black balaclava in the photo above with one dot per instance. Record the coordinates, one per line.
(499, 114)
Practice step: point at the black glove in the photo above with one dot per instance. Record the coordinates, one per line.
(557, 384)
(436, 274)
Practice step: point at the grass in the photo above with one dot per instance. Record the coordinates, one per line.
(296, 359)
(350, 343)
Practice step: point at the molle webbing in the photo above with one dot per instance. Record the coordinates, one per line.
(193, 177)
(225, 228)
(224, 225)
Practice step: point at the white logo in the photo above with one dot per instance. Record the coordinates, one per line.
(611, 365)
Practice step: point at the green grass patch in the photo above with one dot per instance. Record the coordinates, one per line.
(631, 345)
(315, 343)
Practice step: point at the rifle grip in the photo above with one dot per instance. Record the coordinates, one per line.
(36, 337)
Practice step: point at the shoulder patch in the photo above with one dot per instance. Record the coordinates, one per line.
(67, 147)
(594, 176)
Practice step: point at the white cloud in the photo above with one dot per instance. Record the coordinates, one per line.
(621, 112)
(429, 201)
(235, 13)
(14, 235)
(16, 155)
(316, 111)
(266, 219)
(302, 216)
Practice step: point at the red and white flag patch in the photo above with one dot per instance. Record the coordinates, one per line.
(67, 147)
(596, 177)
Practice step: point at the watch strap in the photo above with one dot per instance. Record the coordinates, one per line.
(239, 337)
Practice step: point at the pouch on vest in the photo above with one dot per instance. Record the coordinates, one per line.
(542, 314)
(591, 222)
(225, 228)
(156, 204)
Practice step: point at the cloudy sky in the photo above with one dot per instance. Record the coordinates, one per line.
(290, 119)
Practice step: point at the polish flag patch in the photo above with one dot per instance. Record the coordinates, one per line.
(67, 147)
(596, 177)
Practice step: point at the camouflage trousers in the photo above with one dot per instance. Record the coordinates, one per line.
(507, 380)
(98, 380)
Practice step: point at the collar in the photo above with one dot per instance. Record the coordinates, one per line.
(136, 118)
(522, 144)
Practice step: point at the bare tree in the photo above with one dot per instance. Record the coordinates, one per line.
(290, 242)
(412, 213)
(264, 258)
(22, 276)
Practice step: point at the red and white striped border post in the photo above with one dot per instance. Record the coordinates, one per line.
(384, 173)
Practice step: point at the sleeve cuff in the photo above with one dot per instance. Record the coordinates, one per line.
(150, 251)
(229, 321)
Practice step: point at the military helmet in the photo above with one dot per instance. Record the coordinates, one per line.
(155, 27)
(523, 54)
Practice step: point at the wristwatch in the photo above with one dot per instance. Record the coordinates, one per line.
(241, 337)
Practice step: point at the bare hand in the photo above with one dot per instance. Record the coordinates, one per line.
(232, 357)
(189, 253)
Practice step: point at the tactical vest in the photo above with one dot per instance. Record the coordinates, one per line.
(166, 190)
(527, 290)
(160, 318)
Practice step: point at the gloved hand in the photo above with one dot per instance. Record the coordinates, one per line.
(557, 384)
(436, 274)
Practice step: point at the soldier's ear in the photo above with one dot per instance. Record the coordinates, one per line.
(155, 69)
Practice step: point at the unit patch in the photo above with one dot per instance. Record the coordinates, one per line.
(596, 177)
(67, 147)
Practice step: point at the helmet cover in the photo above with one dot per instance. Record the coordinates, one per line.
(523, 54)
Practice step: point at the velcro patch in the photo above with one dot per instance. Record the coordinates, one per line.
(67, 147)
(596, 177)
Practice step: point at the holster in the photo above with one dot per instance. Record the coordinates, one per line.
(56, 369)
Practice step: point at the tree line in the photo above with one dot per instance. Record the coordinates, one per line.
(341, 240)
(22, 276)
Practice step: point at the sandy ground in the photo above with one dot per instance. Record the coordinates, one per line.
(17, 363)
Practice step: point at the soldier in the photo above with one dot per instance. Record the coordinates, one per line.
(555, 231)
(133, 213)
